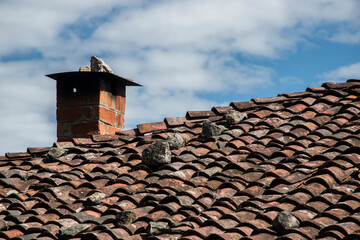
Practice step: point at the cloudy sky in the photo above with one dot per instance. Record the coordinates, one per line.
(188, 55)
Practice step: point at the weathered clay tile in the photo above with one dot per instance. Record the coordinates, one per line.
(200, 114)
(261, 114)
(243, 106)
(151, 127)
(221, 110)
(337, 85)
(18, 155)
(269, 99)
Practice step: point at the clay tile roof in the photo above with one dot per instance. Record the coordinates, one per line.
(296, 152)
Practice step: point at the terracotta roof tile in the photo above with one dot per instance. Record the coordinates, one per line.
(200, 114)
(269, 99)
(151, 127)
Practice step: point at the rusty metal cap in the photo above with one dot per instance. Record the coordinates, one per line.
(70, 76)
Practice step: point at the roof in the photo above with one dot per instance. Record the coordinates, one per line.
(297, 152)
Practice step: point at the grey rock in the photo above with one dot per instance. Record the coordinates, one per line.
(210, 129)
(125, 217)
(285, 220)
(98, 65)
(95, 198)
(74, 230)
(234, 117)
(176, 141)
(156, 227)
(85, 69)
(55, 153)
(3, 225)
(185, 200)
(156, 154)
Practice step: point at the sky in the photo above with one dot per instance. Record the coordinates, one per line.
(188, 54)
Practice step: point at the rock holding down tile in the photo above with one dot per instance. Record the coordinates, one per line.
(125, 217)
(74, 230)
(55, 153)
(234, 117)
(95, 198)
(176, 141)
(156, 154)
(98, 65)
(156, 227)
(85, 69)
(284, 221)
(210, 129)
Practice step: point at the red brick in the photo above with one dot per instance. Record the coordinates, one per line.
(62, 101)
(107, 115)
(75, 99)
(88, 113)
(60, 129)
(123, 104)
(64, 129)
(78, 99)
(102, 128)
(107, 129)
(68, 114)
(106, 98)
(120, 103)
(93, 98)
(119, 120)
(102, 97)
(85, 128)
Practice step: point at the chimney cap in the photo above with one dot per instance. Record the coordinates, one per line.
(69, 76)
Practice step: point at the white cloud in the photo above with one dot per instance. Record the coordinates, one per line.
(250, 27)
(342, 73)
(37, 24)
(26, 106)
(346, 37)
(183, 52)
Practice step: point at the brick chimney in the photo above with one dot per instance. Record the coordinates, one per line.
(89, 102)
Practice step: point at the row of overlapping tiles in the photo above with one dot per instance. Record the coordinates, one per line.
(295, 152)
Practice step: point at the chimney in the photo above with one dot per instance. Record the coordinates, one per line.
(90, 101)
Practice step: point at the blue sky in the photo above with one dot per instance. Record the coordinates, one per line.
(188, 55)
